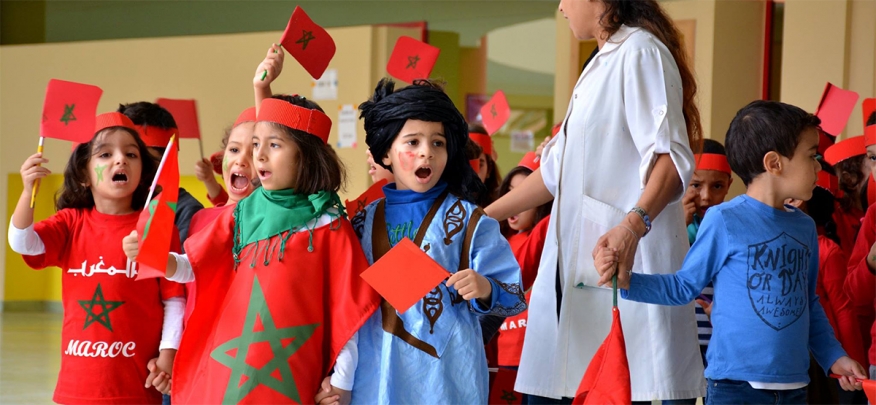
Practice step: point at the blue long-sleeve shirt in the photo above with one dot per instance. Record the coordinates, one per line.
(763, 263)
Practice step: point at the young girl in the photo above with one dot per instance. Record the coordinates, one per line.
(847, 157)
(279, 292)
(112, 323)
(238, 174)
(832, 263)
(433, 353)
(487, 170)
(529, 230)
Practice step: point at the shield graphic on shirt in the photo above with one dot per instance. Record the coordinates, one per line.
(777, 280)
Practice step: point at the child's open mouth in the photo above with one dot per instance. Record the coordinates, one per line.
(424, 174)
(120, 178)
(512, 220)
(239, 182)
(264, 174)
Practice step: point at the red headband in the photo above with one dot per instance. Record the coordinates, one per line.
(870, 135)
(828, 181)
(484, 141)
(712, 161)
(157, 137)
(113, 119)
(843, 150)
(281, 112)
(530, 161)
(247, 115)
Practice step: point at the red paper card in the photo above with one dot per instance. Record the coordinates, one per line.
(308, 43)
(870, 390)
(495, 112)
(412, 59)
(868, 107)
(69, 111)
(185, 113)
(404, 275)
(502, 391)
(835, 108)
(373, 193)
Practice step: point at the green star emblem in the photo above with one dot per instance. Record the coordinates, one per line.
(68, 114)
(412, 62)
(99, 171)
(225, 164)
(152, 205)
(508, 396)
(306, 37)
(244, 377)
(98, 309)
(493, 111)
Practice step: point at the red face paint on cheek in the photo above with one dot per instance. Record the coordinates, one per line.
(407, 160)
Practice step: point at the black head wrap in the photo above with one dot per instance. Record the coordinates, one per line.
(387, 111)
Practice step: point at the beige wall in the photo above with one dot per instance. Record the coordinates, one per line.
(829, 40)
(215, 70)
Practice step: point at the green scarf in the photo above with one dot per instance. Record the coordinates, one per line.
(265, 214)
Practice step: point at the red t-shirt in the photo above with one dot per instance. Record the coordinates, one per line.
(200, 221)
(848, 223)
(832, 271)
(860, 285)
(112, 323)
(527, 248)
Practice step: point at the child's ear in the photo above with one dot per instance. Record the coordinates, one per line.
(386, 160)
(772, 163)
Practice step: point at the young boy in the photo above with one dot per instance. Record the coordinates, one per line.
(708, 188)
(762, 258)
(156, 127)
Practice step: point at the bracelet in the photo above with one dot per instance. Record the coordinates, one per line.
(645, 218)
(631, 231)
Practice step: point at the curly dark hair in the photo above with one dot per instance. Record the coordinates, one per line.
(387, 111)
(541, 212)
(75, 194)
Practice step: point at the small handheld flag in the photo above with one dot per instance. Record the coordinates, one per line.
(310, 44)
(412, 59)
(155, 227)
(495, 112)
(404, 275)
(185, 113)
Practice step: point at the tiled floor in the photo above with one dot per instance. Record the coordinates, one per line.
(30, 345)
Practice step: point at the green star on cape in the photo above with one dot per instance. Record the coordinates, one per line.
(101, 316)
(251, 376)
(68, 114)
(152, 205)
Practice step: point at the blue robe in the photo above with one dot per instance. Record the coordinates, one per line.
(435, 354)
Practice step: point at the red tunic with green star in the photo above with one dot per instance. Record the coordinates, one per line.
(112, 323)
(269, 332)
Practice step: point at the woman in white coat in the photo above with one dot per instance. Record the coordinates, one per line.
(616, 171)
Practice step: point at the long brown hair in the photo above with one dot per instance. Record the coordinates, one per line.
(647, 14)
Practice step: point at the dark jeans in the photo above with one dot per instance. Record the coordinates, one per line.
(165, 399)
(722, 392)
(536, 400)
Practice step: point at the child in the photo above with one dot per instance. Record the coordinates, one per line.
(487, 170)
(206, 171)
(529, 229)
(433, 353)
(262, 324)
(861, 282)
(848, 159)
(832, 264)
(112, 323)
(378, 172)
(238, 174)
(708, 187)
(156, 127)
(761, 257)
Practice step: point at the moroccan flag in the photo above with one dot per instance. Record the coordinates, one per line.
(310, 44)
(374, 193)
(69, 111)
(155, 226)
(607, 379)
(495, 112)
(412, 59)
(185, 114)
(502, 390)
(835, 108)
(870, 390)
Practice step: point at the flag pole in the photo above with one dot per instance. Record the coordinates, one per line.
(265, 73)
(614, 289)
(36, 184)
(158, 173)
(201, 147)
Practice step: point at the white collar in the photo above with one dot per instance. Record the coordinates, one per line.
(613, 42)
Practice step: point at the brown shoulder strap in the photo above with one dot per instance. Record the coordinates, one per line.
(469, 234)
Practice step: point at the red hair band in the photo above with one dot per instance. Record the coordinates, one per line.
(712, 161)
(870, 136)
(845, 149)
(157, 137)
(828, 181)
(484, 141)
(287, 114)
(113, 119)
(530, 161)
(247, 115)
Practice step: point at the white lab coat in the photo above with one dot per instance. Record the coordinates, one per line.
(626, 108)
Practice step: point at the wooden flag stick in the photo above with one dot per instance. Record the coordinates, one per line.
(36, 184)
(201, 147)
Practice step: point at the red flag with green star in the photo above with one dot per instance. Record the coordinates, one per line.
(155, 228)
(69, 111)
(307, 42)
